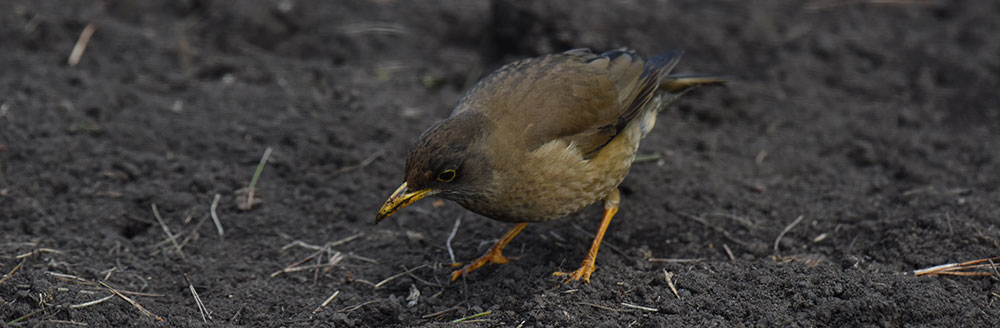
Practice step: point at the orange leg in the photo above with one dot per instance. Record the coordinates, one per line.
(494, 255)
(587, 268)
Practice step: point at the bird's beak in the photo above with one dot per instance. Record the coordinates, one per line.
(400, 199)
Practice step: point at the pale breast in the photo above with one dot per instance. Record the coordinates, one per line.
(555, 180)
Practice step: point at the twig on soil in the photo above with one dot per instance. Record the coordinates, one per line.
(451, 236)
(334, 259)
(109, 272)
(328, 245)
(669, 276)
(353, 308)
(256, 176)
(362, 258)
(969, 268)
(786, 230)
(205, 314)
(640, 307)
(81, 44)
(729, 252)
(170, 235)
(367, 161)
(215, 216)
(439, 313)
(38, 251)
(67, 322)
(70, 277)
(393, 277)
(292, 266)
(472, 316)
(127, 292)
(346, 240)
(131, 301)
(91, 303)
(326, 302)
(12, 271)
(655, 259)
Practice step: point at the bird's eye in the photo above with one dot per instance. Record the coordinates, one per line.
(447, 175)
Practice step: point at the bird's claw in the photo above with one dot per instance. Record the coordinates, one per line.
(584, 272)
(490, 257)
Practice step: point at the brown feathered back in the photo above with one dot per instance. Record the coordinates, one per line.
(577, 95)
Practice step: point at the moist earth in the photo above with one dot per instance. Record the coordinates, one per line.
(857, 142)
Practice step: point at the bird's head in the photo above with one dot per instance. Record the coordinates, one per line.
(446, 161)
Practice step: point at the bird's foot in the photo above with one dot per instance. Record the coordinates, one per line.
(492, 256)
(585, 270)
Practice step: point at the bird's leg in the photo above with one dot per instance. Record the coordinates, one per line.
(587, 268)
(494, 255)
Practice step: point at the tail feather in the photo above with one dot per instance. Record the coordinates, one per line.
(684, 82)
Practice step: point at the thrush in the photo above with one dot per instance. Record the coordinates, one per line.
(542, 138)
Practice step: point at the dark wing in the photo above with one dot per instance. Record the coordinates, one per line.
(578, 96)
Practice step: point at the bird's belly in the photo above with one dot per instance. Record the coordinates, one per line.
(555, 180)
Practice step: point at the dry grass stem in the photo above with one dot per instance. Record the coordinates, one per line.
(294, 267)
(170, 235)
(786, 230)
(447, 242)
(669, 276)
(215, 216)
(70, 277)
(205, 314)
(334, 261)
(130, 301)
(12, 271)
(640, 307)
(981, 267)
(91, 303)
(109, 272)
(81, 44)
(362, 258)
(193, 234)
(393, 277)
(655, 259)
(326, 302)
(67, 322)
(126, 292)
(729, 252)
(440, 313)
(367, 161)
(355, 307)
(472, 317)
(346, 240)
(38, 251)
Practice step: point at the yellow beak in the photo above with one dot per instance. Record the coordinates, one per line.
(400, 199)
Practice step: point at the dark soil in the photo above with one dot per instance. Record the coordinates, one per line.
(879, 124)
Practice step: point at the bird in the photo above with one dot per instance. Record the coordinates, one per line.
(542, 138)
